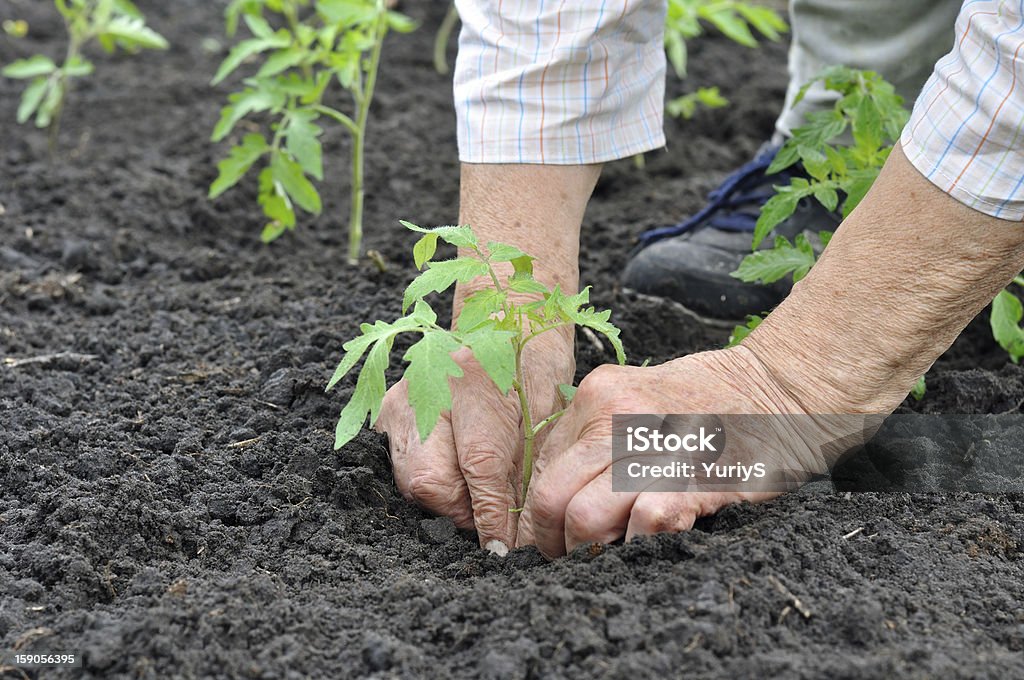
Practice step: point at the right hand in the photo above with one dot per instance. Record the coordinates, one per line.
(470, 467)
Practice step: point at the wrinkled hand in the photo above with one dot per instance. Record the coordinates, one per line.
(571, 501)
(470, 467)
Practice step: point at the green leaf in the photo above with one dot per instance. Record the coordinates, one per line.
(368, 396)
(131, 32)
(827, 196)
(400, 23)
(424, 249)
(774, 212)
(430, 366)
(281, 60)
(686, 105)
(919, 389)
(479, 307)
(289, 175)
(503, 252)
(302, 143)
(1005, 322)
(275, 204)
(249, 100)
(77, 67)
(50, 104)
(739, 333)
(31, 98)
(496, 354)
(571, 308)
(524, 283)
(259, 26)
(240, 159)
(371, 333)
(246, 49)
(32, 67)
(272, 231)
(460, 237)
(568, 392)
(441, 275)
(768, 266)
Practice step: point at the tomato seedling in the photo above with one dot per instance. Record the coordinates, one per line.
(493, 324)
(735, 19)
(112, 23)
(338, 40)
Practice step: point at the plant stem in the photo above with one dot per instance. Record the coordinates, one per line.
(519, 384)
(355, 222)
(74, 45)
(444, 34)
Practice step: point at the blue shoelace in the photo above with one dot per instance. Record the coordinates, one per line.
(748, 186)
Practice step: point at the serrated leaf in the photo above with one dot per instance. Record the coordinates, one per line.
(281, 60)
(240, 159)
(524, 283)
(31, 98)
(598, 321)
(768, 266)
(568, 392)
(300, 190)
(249, 100)
(430, 366)
(258, 26)
(503, 252)
(458, 236)
(1005, 323)
(302, 143)
(369, 394)
(827, 196)
(38, 65)
(479, 307)
(274, 202)
(424, 249)
(370, 333)
(246, 49)
(494, 351)
(777, 209)
(442, 275)
(132, 32)
(739, 333)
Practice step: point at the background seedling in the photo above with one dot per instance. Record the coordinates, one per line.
(841, 173)
(112, 23)
(320, 43)
(493, 324)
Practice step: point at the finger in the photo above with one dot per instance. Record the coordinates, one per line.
(488, 440)
(563, 472)
(659, 512)
(597, 514)
(426, 473)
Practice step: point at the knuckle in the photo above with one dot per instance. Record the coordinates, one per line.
(425, 489)
(659, 518)
(483, 461)
(582, 521)
(543, 504)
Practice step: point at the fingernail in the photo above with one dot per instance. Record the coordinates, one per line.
(497, 547)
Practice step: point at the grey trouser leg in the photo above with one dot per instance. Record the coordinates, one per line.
(900, 39)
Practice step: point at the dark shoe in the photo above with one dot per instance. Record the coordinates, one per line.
(691, 261)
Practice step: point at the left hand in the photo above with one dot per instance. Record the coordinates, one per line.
(571, 501)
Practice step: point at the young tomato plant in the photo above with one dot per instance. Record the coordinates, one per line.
(112, 23)
(735, 19)
(319, 42)
(492, 325)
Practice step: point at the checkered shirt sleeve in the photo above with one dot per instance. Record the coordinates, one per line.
(965, 133)
(559, 82)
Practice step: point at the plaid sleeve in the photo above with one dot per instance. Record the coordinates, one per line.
(559, 82)
(965, 131)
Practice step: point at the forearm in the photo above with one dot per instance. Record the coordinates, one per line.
(901, 278)
(538, 208)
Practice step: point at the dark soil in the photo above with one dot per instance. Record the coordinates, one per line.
(171, 505)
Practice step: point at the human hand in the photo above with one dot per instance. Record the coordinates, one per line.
(470, 467)
(571, 500)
